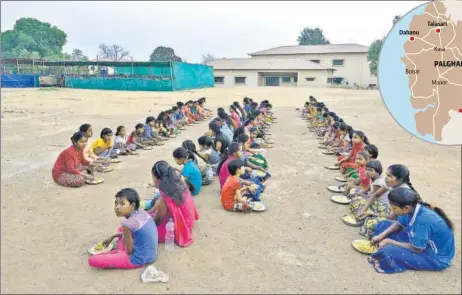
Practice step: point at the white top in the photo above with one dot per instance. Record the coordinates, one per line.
(380, 182)
(120, 140)
(384, 197)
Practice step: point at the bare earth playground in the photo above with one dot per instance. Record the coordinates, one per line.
(299, 246)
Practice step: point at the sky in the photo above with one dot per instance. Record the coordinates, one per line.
(230, 29)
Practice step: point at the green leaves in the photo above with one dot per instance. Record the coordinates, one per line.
(162, 54)
(312, 37)
(33, 38)
(373, 55)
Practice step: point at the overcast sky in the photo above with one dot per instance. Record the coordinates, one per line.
(224, 29)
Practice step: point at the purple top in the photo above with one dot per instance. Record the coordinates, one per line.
(144, 233)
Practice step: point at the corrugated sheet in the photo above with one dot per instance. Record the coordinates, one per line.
(314, 49)
(265, 64)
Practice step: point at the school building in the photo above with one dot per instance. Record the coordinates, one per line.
(300, 65)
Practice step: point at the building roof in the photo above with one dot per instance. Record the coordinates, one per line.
(266, 64)
(314, 49)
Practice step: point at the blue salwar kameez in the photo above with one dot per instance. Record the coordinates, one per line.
(424, 230)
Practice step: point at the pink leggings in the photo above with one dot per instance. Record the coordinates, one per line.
(117, 258)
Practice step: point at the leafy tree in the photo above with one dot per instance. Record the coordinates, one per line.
(77, 55)
(374, 50)
(373, 55)
(113, 52)
(208, 58)
(312, 37)
(162, 54)
(31, 35)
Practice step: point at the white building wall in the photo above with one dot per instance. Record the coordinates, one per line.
(251, 77)
(254, 77)
(355, 67)
(319, 81)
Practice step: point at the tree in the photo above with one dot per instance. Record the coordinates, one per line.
(373, 55)
(374, 50)
(113, 52)
(77, 55)
(162, 54)
(31, 35)
(208, 58)
(312, 37)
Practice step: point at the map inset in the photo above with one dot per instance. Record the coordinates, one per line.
(420, 72)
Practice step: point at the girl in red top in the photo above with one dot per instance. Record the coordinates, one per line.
(232, 198)
(348, 163)
(361, 184)
(135, 136)
(71, 169)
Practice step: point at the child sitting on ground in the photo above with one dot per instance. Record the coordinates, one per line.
(233, 193)
(149, 136)
(359, 142)
(135, 137)
(205, 169)
(234, 151)
(160, 130)
(103, 146)
(361, 184)
(120, 142)
(374, 202)
(190, 170)
(207, 152)
(136, 238)
(339, 142)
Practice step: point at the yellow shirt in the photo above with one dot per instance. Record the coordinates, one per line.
(99, 143)
(88, 151)
(313, 112)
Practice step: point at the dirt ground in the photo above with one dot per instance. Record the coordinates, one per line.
(299, 246)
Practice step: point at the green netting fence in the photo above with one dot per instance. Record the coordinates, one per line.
(143, 71)
(131, 76)
(129, 84)
(190, 76)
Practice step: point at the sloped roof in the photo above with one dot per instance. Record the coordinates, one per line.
(265, 64)
(313, 49)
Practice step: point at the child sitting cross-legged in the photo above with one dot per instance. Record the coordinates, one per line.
(360, 185)
(372, 206)
(234, 196)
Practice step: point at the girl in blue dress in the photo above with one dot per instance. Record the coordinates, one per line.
(421, 239)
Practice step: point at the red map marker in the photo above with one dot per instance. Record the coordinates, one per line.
(438, 31)
(411, 38)
(460, 111)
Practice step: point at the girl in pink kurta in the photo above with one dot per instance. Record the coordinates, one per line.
(235, 115)
(175, 202)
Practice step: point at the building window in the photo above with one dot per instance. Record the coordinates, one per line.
(239, 80)
(295, 79)
(285, 79)
(310, 79)
(219, 80)
(315, 61)
(335, 80)
(337, 62)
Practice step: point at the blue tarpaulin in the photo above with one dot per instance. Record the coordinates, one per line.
(19, 81)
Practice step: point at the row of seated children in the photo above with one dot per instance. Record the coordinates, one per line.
(79, 163)
(144, 223)
(217, 151)
(408, 232)
(243, 168)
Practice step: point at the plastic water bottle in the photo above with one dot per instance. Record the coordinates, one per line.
(170, 236)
